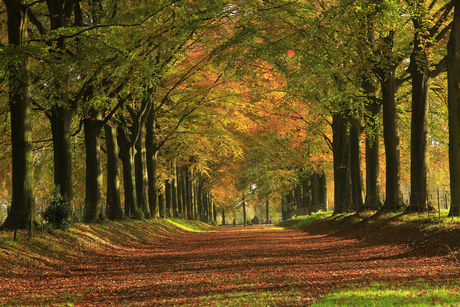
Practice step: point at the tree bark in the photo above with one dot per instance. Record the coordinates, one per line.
(180, 189)
(129, 180)
(23, 211)
(285, 203)
(298, 196)
(390, 86)
(314, 192)
(322, 189)
(267, 215)
(307, 193)
(340, 148)
(174, 194)
(161, 205)
(183, 191)
(356, 171)
(453, 77)
(152, 165)
(114, 210)
(373, 192)
(62, 112)
(93, 200)
(168, 199)
(61, 119)
(244, 212)
(189, 193)
(422, 76)
(141, 172)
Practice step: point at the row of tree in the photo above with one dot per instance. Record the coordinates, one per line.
(137, 75)
(205, 103)
(360, 66)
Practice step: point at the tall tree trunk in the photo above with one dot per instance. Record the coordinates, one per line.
(189, 193)
(61, 119)
(129, 180)
(390, 86)
(355, 164)
(285, 207)
(23, 211)
(211, 207)
(183, 184)
(244, 212)
(142, 185)
(223, 216)
(206, 205)
(62, 112)
(152, 165)
(267, 215)
(174, 195)
(373, 192)
(195, 198)
(419, 133)
(179, 183)
(114, 210)
(93, 200)
(307, 193)
(161, 205)
(298, 196)
(314, 191)
(168, 199)
(453, 77)
(322, 189)
(340, 148)
(422, 76)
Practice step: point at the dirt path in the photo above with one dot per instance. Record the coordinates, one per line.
(183, 271)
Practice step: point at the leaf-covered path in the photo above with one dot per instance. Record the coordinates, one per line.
(279, 267)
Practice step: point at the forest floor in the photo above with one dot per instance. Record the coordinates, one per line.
(159, 263)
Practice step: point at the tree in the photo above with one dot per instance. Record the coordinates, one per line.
(23, 209)
(114, 210)
(453, 74)
(429, 30)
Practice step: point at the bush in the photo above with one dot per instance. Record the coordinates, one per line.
(59, 212)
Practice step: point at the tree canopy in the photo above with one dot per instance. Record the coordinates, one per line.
(146, 109)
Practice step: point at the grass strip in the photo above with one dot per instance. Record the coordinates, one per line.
(420, 293)
(308, 219)
(186, 225)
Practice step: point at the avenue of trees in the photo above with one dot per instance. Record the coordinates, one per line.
(178, 108)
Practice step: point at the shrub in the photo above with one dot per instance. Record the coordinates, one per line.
(59, 212)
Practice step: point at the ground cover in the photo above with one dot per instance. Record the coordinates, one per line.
(330, 261)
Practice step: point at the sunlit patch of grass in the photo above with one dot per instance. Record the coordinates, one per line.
(420, 293)
(186, 225)
(253, 299)
(309, 218)
(46, 298)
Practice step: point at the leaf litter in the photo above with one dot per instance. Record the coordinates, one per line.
(219, 268)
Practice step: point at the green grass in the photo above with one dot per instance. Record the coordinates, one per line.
(420, 293)
(250, 298)
(187, 225)
(308, 219)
